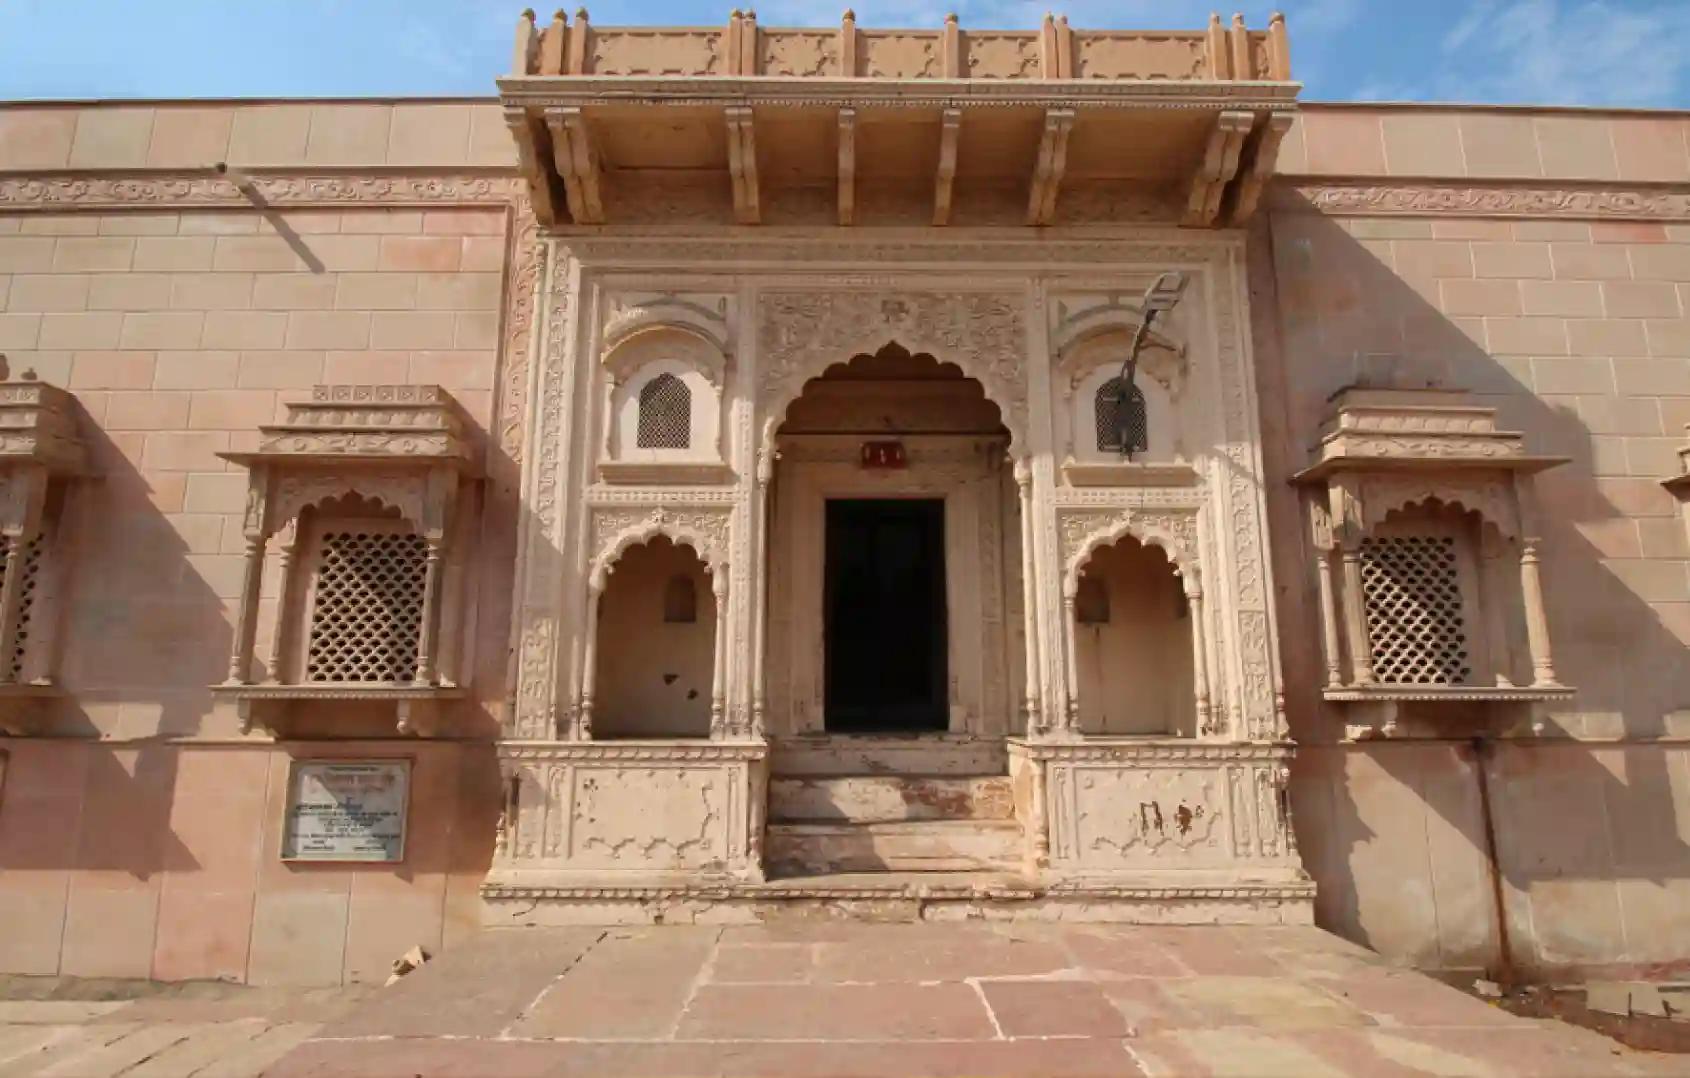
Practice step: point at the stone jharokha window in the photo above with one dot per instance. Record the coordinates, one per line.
(1122, 426)
(1427, 558)
(363, 500)
(664, 368)
(41, 457)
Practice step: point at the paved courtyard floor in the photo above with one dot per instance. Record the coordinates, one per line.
(823, 998)
(833, 998)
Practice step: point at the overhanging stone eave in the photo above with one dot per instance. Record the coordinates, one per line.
(581, 91)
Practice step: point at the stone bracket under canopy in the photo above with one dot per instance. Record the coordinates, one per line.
(747, 125)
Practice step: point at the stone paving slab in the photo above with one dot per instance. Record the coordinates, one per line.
(844, 998)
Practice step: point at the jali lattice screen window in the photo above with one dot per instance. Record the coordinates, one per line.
(1413, 600)
(665, 414)
(1122, 426)
(29, 593)
(367, 602)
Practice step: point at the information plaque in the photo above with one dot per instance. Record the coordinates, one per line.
(346, 810)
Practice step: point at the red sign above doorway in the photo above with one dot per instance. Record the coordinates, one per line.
(884, 455)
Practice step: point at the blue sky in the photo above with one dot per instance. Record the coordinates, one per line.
(1580, 52)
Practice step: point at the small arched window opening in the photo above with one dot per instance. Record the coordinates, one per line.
(665, 414)
(680, 601)
(1091, 600)
(1122, 426)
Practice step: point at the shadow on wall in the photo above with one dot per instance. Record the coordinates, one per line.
(1591, 867)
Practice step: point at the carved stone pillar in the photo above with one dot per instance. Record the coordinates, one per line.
(589, 663)
(1199, 655)
(284, 628)
(1537, 622)
(1029, 601)
(428, 635)
(762, 506)
(246, 619)
(1355, 616)
(1492, 606)
(11, 594)
(719, 661)
(1328, 617)
(1071, 661)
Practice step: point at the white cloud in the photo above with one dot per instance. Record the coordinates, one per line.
(1587, 52)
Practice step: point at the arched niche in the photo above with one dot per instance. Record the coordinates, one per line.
(648, 356)
(1133, 646)
(1092, 354)
(655, 672)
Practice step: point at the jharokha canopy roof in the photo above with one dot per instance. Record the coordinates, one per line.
(741, 123)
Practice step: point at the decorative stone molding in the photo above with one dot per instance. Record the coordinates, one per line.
(41, 457)
(801, 334)
(1431, 199)
(404, 447)
(1389, 462)
(1112, 808)
(80, 191)
(634, 813)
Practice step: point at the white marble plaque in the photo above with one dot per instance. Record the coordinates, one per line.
(346, 810)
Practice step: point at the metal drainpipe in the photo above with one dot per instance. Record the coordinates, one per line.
(1502, 970)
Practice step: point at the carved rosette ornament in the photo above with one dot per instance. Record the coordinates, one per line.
(402, 447)
(1407, 603)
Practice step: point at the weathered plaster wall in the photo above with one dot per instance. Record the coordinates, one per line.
(141, 837)
(1578, 330)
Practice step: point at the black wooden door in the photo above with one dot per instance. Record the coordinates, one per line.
(885, 615)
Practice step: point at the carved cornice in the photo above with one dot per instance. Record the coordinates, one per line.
(81, 191)
(1430, 198)
(1153, 753)
(1008, 890)
(621, 752)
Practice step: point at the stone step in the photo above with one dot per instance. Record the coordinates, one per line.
(872, 754)
(888, 798)
(903, 846)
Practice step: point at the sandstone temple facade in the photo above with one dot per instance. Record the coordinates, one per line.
(749, 472)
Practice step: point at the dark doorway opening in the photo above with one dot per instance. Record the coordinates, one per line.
(885, 616)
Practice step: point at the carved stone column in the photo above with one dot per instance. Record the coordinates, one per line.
(1328, 617)
(1029, 601)
(428, 635)
(1199, 655)
(279, 640)
(719, 661)
(1537, 622)
(1355, 616)
(1071, 661)
(246, 619)
(589, 662)
(1492, 606)
(11, 594)
(762, 506)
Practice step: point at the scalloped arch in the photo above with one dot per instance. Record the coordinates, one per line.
(677, 532)
(295, 495)
(1488, 505)
(1182, 558)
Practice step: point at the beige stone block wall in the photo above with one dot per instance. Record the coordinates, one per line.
(1579, 332)
(187, 135)
(162, 860)
(180, 333)
(141, 837)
